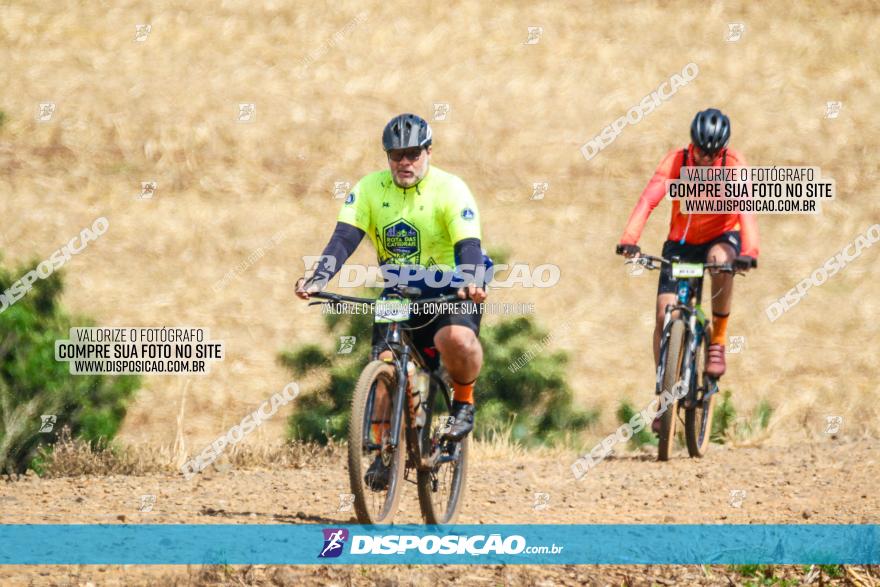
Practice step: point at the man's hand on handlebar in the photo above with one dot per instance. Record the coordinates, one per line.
(306, 287)
(628, 251)
(745, 262)
(471, 291)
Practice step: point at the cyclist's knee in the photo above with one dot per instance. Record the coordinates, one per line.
(385, 355)
(663, 300)
(721, 253)
(456, 340)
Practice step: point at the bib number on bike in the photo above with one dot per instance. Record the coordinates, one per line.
(681, 270)
(391, 311)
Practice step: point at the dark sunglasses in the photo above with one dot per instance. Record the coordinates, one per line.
(411, 154)
(705, 154)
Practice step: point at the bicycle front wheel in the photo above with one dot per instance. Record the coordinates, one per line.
(375, 469)
(671, 373)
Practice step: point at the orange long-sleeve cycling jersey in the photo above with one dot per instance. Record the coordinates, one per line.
(693, 228)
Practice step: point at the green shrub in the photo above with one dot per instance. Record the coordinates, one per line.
(643, 436)
(33, 384)
(521, 392)
(723, 418)
(726, 426)
(322, 415)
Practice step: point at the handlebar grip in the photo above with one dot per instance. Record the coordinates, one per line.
(627, 249)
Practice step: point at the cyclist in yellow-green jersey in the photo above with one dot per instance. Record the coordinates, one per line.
(425, 227)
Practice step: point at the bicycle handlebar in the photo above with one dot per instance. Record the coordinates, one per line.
(649, 262)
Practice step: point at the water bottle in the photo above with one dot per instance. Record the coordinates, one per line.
(421, 380)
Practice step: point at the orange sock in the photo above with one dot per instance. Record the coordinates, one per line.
(463, 392)
(719, 329)
(378, 431)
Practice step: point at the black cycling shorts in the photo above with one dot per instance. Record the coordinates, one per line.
(422, 328)
(690, 253)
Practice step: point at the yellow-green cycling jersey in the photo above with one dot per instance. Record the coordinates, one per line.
(413, 226)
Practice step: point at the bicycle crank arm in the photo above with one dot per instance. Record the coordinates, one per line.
(440, 457)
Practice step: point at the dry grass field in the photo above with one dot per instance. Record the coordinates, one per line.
(325, 77)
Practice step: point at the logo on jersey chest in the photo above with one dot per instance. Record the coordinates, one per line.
(402, 240)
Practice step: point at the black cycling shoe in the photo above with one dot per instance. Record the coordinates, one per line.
(377, 475)
(464, 421)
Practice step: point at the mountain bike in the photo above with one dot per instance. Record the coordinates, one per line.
(684, 347)
(411, 404)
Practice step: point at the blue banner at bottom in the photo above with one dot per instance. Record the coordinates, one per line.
(232, 544)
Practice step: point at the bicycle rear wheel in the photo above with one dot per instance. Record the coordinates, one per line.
(441, 489)
(698, 419)
(671, 373)
(374, 506)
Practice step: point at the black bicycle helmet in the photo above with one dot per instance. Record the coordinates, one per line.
(405, 131)
(710, 131)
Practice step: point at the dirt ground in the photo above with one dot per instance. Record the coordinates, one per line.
(831, 482)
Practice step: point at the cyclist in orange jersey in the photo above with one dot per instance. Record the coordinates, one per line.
(722, 238)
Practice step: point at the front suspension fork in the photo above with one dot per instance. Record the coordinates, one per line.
(400, 398)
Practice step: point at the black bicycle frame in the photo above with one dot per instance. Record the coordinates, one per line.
(398, 343)
(400, 349)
